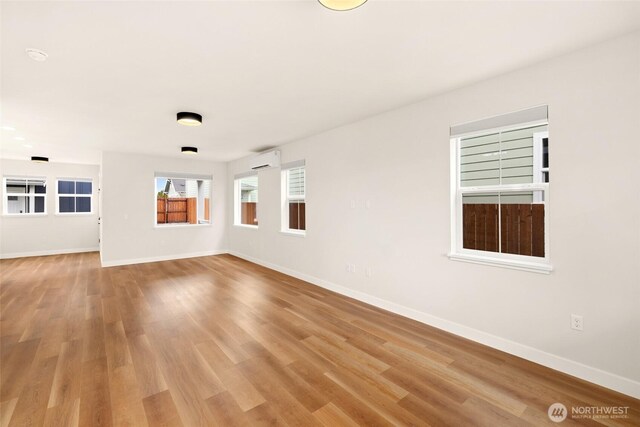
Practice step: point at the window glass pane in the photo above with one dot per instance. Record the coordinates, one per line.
(204, 201)
(297, 216)
(479, 160)
(249, 189)
(66, 187)
(521, 224)
(503, 222)
(545, 153)
(83, 204)
(83, 187)
(498, 158)
(14, 188)
(67, 204)
(480, 224)
(17, 204)
(295, 184)
(249, 200)
(40, 189)
(39, 204)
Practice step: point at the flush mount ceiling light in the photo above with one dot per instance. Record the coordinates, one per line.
(39, 159)
(341, 5)
(189, 150)
(189, 119)
(37, 55)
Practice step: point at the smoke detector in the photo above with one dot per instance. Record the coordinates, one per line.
(37, 54)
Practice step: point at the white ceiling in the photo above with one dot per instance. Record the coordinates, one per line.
(261, 73)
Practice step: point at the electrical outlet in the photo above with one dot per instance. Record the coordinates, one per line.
(576, 322)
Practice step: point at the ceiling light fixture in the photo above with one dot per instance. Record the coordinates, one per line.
(19, 138)
(189, 119)
(39, 159)
(189, 150)
(37, 55)
(341, 5)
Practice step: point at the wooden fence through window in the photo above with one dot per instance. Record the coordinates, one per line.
(177, 210)
(522, 228)
(249, 213)
(297, 216)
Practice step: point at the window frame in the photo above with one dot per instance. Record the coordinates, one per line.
(181, 224)
(237, 201)
(513, 261)
(75, 195)
(287, 198)
(31, 196)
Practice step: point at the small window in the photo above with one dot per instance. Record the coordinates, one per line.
(25, 196)
(184, 201)
(294, 193)
(246, 201)
(500, 185)
(74, 196)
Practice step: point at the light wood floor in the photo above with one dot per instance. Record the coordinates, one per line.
(221, 341)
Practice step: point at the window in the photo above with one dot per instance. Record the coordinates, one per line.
(25, 196)
(500, 185)
(293, 198)
(246, 200)
(182, 200)
(74, 196)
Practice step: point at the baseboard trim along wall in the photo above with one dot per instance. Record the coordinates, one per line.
(159, 258)
(567, 366)
(48, 252)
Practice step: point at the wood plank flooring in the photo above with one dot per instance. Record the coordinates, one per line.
(218, 341)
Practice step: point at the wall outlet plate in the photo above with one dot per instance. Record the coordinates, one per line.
(576, 322)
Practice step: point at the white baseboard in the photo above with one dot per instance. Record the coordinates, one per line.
(48, 252)
(160, 258)
(576, 369)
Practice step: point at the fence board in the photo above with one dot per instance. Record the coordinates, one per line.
(491, 241)
(537, 226)
(524, 247)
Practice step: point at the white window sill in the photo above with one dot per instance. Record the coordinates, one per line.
(250, 227)
(74, 214)
(534, 267)
(179, 225)
(29, 215)
(294, 233)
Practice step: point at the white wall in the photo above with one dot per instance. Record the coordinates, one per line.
(399, 162)
(50, 233)
(128, 211)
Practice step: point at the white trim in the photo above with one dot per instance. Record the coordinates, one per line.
(501, 121)
(588, 373)
(181, 225)
(160, 258)
(249, 226)
(48, 252)
(296, 233)
(534, 267)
